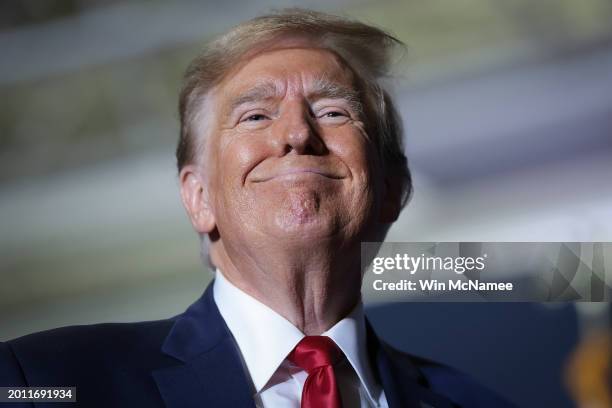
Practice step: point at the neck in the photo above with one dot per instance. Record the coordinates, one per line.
(313, 289)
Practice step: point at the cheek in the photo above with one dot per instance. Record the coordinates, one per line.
(355, 151)
(237, 156)
(360, 156)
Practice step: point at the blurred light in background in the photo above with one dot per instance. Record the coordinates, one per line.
(507, 107)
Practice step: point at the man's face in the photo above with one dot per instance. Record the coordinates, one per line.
(288, 157)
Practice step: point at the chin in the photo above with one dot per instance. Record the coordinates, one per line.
(303, 225)
(304, 214)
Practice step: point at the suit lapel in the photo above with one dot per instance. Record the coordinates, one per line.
(404, 384)
(209, 371)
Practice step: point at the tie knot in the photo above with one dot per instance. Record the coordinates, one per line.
(313, 352)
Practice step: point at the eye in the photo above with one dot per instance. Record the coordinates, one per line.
(255, 118)
(333, 114)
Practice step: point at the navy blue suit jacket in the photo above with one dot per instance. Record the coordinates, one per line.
(192, 360)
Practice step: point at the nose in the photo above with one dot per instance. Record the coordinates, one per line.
(298, 132)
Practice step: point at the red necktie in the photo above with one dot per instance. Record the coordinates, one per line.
(316, 355)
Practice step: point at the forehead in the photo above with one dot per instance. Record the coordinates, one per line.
(288, 68)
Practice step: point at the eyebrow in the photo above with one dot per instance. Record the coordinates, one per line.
(322, 88)
(261, 91)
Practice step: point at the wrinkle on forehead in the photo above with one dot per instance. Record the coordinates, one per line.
(334, 65)
(315, 89)
(269, 83)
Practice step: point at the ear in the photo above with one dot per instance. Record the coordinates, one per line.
(391, 204)
(194, 194)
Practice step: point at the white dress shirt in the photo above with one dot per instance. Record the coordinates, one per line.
(265, 338)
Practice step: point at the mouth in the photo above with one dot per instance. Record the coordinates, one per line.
(291, 174)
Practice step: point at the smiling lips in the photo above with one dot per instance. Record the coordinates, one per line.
(292, 173)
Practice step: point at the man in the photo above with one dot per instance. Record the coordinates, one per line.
(290, 156)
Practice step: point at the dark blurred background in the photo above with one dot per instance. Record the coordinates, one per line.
(507, 107)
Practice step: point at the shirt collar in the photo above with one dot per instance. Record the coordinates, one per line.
(264, 351)
(350, 335)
